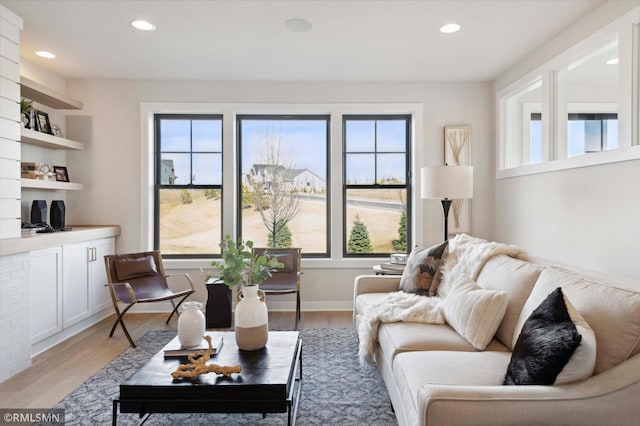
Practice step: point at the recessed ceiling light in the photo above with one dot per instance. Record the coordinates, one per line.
(297, 25)
(45, 54)
(613, 61)
(143, 25)
(449, 28)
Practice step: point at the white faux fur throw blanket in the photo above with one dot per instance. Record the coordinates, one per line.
(396, 306)
(467, 255)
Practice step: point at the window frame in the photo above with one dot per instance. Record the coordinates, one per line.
(626, 30)
(144, 222)
(406, 186)
(158, 186)
(285, 117)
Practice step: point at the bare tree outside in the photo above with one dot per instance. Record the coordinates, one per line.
(275, 194)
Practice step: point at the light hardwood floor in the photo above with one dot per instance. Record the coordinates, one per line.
(59, 370)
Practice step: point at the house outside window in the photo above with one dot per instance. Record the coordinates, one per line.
(376, 189)
(188, 184)
(284, 181)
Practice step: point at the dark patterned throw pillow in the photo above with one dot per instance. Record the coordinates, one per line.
(422, 272)
(547, 340)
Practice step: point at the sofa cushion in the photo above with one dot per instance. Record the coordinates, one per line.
(475, 313)
(422, 273)
(546, 343)
(583, 360)
(516, 278)
(611, 312)
(413, 370)
(367, 300)
(399, 337)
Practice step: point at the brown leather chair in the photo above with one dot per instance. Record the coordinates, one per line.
(284, 280)
(140, 278)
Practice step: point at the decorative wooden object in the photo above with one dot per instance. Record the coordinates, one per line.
(199, 365)
(457, 149)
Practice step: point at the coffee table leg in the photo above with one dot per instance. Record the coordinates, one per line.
(292, 410)
(114, 414)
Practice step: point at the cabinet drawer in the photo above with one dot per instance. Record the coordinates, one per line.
(10, 209)
(9, 228)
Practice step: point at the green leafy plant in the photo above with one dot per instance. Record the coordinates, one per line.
(240, 266)
(25, 106)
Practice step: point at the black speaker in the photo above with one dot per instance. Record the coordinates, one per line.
(57, 214)
(39, 211)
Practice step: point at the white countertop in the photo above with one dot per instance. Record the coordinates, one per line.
(78, 234)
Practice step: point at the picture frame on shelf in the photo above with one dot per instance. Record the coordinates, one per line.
(42, 122)
(62, 175)
(56, 131)
(457, 152)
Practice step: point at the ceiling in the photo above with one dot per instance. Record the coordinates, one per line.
(349, 40)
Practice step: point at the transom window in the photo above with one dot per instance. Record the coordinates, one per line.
(377, 194)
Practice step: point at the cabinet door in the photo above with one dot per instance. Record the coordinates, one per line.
(98, 290)
(45, 293)
(75, 283)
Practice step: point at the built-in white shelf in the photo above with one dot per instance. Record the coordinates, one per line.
(46, 140)
(41, 94)
(49, 184)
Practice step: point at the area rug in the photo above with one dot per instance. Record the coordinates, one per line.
(336, 389)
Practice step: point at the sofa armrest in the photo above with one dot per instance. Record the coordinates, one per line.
(375, 284)
(608, 398)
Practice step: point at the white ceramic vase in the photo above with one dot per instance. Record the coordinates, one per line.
(191, 324)
(251, 319)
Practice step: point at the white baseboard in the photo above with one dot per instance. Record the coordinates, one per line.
(272, 306)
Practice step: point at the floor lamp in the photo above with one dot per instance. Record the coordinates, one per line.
(446, 183)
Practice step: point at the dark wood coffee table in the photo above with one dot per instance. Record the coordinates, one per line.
(270, 382)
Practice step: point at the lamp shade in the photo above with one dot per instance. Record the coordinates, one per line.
(446, 182)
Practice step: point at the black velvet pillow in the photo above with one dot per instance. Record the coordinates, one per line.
(546, 342)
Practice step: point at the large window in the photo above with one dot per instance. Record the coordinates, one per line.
(376, 184)
(188, 184)
(284, 181)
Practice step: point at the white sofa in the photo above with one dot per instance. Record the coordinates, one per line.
(435, 377)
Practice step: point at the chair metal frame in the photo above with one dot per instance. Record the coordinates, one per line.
(264, 286)
(133, 298)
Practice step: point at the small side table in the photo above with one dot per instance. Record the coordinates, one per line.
(218, 313)
(379, 270)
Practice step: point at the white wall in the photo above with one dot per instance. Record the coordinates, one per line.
(109, 166)
(587, 216)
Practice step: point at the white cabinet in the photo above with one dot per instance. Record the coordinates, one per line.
(45, 292)
(75, 277)
(99, 297)
(84, 279)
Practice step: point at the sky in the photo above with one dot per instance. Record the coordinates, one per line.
(303, 145)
